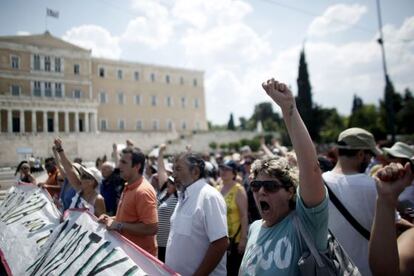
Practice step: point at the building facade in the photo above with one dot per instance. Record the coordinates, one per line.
(49, 85)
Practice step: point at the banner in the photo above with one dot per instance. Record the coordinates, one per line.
(32, 242)
(27, 218)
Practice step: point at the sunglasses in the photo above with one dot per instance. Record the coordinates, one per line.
(87, 177)
(270, 186)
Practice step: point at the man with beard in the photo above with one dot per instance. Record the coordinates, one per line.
(355, 190)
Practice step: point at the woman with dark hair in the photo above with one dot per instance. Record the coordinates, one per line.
(25, 176)
(237, 220)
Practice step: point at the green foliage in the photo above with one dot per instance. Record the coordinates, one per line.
(213, 145)
(333, 124)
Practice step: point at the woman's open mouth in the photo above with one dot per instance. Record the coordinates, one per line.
(264, 205)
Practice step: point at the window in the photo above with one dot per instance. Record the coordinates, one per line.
(58, 65)
(136, 76)
(152, 77)
(139, 125)
(48, 89)
(77, 94)
(137, 99)
(155, 125)
(76, 69)
(154, 100)
(102, 72)
(167, 79)
(121, 98)
(58, 90)
(196, 104)
(170, 125)
(36, 62)
(194, 82)
(15, 90)
(181, 80)
(102, 97)
(121, 124)
(168, 101)
(183, 102)
(103, 124)
(15, 62)
(47, 63)
(36, 89)
(183, 125)
(119, 74)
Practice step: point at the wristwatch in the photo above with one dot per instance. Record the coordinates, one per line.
(119, 226)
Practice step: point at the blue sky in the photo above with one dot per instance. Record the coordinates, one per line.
(239, 44)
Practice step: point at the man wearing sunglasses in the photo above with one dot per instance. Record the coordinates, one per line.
(273, 246)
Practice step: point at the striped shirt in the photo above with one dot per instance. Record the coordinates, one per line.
(165, 209)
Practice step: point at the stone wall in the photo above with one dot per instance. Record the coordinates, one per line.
(16, 147)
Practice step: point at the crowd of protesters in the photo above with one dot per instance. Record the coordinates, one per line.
(216, 214)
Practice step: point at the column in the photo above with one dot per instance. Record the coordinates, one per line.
(44, 121)
(55, 121)
(86, 121)
(22, 122)
(94, 122)
(9, 121)
(34, 122)
(66, 121)
(76, 122)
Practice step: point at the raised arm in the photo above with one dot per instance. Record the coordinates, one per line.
(73, 178)
(390, 182)
(162, 173)
(58, 162)
(312, 190)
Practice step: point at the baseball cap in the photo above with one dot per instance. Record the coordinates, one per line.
(93, 172)
(230, 165)
(359, 139)
(400, 150)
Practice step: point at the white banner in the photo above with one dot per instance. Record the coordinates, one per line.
(27, 218)
(77, 246)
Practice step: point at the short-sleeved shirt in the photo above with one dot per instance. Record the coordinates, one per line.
(138, 203)
(276, 250)
(198, 220)
(166, 207)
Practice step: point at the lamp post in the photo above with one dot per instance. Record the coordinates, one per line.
(389, 88)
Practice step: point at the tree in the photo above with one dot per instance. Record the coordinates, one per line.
(356, 103)
(243, 123)
(230, 124)
(405, 115)
(367, 117)
(304, 99)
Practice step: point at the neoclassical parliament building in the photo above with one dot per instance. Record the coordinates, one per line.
(48, 85)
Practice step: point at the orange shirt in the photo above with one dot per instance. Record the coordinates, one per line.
(53, 186)
(138, 203)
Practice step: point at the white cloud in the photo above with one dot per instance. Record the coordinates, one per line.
(336, 18)
(100, 40)
(202, 14)
(23, 33)
(154, 28)
(339, 71)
